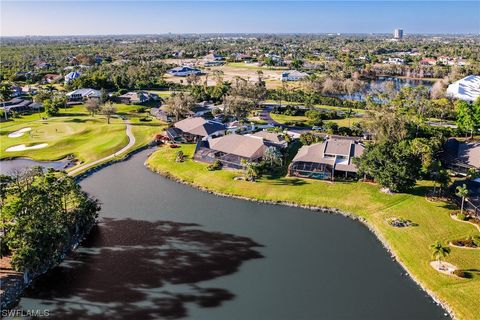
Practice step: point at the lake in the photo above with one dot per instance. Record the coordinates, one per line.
(164, 250)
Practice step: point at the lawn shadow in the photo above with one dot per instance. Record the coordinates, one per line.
(132, 269)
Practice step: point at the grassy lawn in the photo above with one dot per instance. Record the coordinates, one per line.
(411, 245)
(76, 132)
(281, 118)
(318, 106)
(345, 122)
(243, 65)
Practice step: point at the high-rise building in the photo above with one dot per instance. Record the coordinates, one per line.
(398, 34)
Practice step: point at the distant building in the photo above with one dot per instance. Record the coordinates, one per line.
(398, 34)
(72, 76)
(85, 93)
(51, 78)
(293, 75)
(137, 97)
(184, 71)
(467, 89)
(326, 159)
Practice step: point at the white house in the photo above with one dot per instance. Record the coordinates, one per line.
(467, 89)
(293, 75)
(184, 71)
(72, 76)
(85, 93)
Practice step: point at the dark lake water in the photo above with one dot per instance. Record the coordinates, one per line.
(9, 166)
(167, 251)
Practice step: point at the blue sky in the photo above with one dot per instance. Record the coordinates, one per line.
(139, 17)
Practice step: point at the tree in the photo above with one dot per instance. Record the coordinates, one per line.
(180, 104)
(439, 251)
(108, 110)
(252, 170)
(51, 108)
(462, 192)
(93, 106)
(273, 156)
(468, 116)
(44, 211)
(314, 117)
(393, 165)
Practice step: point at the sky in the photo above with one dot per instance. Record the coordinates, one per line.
(84, 17)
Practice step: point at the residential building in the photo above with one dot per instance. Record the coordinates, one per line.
(293, 75)
(398, 34)
(214, 57)
(274, 139)
(20, 105)
(184, 71)
(195, 129)
(428, 61)
(51, 78)
(160, 114)
(394, 60)
(467, 89)
(72, 76)
(325, 160)
(138, 97)
(231, 150)
(460, 156)
(84, 93)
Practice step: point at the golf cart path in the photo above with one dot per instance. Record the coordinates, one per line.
(131, 142)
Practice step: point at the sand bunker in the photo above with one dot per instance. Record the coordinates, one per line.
(22, 147)
(19, 133)
(443, 267)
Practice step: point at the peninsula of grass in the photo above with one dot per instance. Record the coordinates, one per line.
(75, 132)
(410, 245)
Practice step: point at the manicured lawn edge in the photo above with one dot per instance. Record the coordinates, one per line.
(159, 162)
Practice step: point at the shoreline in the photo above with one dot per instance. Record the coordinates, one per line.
(314, 209)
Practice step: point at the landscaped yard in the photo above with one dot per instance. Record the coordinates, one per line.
(411, 245)
(281, 118)
(76, 132)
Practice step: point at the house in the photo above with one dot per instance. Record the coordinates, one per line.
(467, 89)
(16, 91)
(396, 61)
(214, 57)
(51, 78)
(195, 129)
(460, 157)
(272, 138)
(204, 107)
(82, 94)
(428, 61)
(160, 114)
(135, 97)
(72, 76)
(20, 105)
(184, 71)
(231, 150)
(325, 160)
(293, 75)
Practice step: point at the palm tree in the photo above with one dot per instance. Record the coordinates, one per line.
(462, 192)
(439, 251)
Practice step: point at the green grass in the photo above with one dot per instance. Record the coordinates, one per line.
(243, 65)
(75, 132)
(346, 121)
(318, 106)
(411, 245)
(281, 118)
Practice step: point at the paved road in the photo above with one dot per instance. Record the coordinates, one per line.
(131, 142)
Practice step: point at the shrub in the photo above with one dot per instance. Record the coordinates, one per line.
(180, 157)
(462, 274)
(216, 165)
(461, 216)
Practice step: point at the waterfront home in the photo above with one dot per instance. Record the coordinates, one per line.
(274, 139)
(460, 156)
(184, 71)
(195, 129)
(69, 77)
(138, 97)
(84, 93)
(293, 75)
(327, 159)
(231, 150)
(20, 105)
(467, 89)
